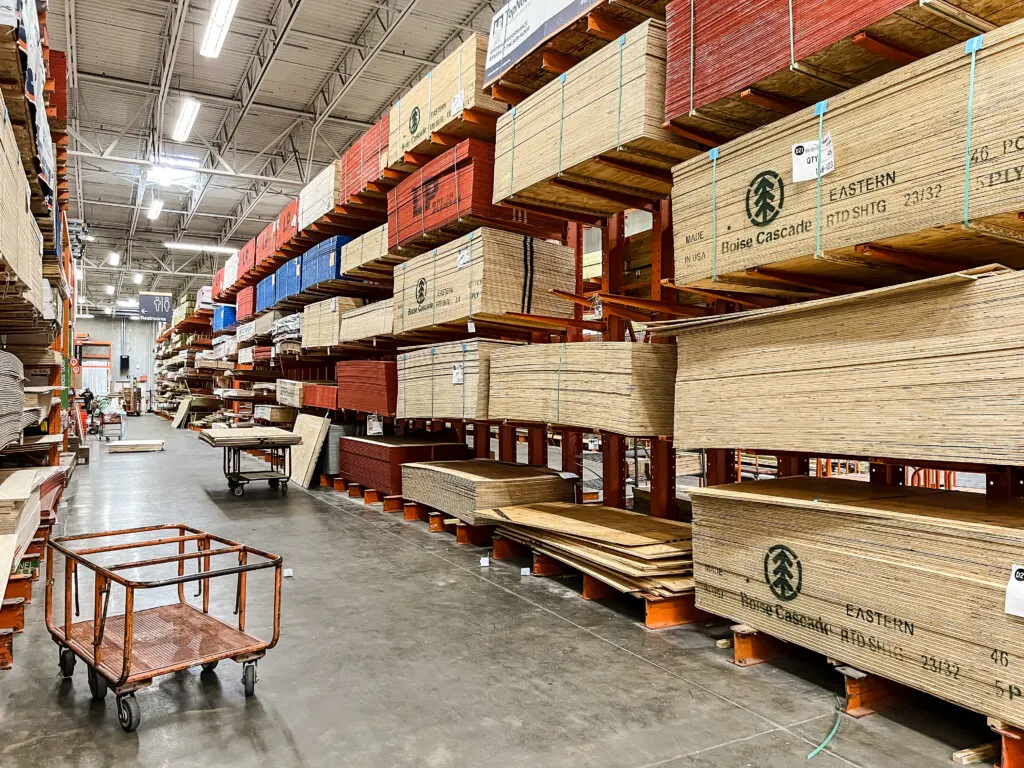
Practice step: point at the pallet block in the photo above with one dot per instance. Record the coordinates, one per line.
(19, 585)
(12, 614)
(393, 503)
(6, 649)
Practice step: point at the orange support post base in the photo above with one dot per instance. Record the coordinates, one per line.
(6, 649)
(326, 481)
(672, 612)
(595, 589)
(12, 614)
(340, 484)
(436, 521)
(507, 443)
(19, 585)
(548, 566)
(506, 549)
(372, 496)
(1012, 743)
(393, 503)
(751, 647)
(477, 535)
(414, 511)
(865, 692)
(355, 492)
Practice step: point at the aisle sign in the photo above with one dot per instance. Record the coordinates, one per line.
(155, 306)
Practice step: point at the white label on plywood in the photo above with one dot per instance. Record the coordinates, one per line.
(465, 257)
(374, 425)
(458, 102)
(1015, 592)
(458, 373)
(805, 159)
(334, 304)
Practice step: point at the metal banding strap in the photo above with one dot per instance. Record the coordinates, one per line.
(819, 109)
(972, 47)
(433, 351)
(713, 154)
(463, 381)
(470, 274)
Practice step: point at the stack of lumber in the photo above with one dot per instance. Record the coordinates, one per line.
(320, 196)
(287, 226)
(287, 280)
(376, 462)
(19, 516)
(246, 259)
(263, 325)
(135, 446)
(881, 209)
(368, 322)
(265, 244)
(322, 262)
(12, 398)
(320, 395)
(460, 488)
(367, 256)
(592, 142)
(906, 583)
(290, 392)
(243, 438)
(246, 303)
(742, 72)
(246, 355)
(633, 553)
(275, 414)
(313, 431)
(266, 293)
(364, 168)
(331, 453)
(448, 101)
(368, 386)
(446, 381)
(926, 370)
(246, 332)
(481, 277)
(321, 322)
(618, 387)
(451, 196)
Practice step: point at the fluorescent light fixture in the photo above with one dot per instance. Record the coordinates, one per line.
(109, 289)
(128, 303)
(84, 317)
(217, 27)
(115, 258)
(108, 310)
(200, 248)
(175, 170)
(186, 119)
(137, 278)
(155, 208)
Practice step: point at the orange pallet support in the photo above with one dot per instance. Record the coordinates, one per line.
(613, 456)
(506, 443)
(751, 647)
(537, 446)
(6, 649)
(671, 612)
(506, 549)
(663, 479)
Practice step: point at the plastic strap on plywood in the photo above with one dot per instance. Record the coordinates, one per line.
(713, 155)
(971, 49)
(819, 110)
(512, 157)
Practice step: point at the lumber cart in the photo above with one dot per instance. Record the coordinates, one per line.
(279, 457)
(127, 651)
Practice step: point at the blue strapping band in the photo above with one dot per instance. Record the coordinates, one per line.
(819, 110)
(713, 154)
(971, 48)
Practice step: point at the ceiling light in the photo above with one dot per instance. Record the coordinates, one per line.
(115, 258)
(155, 208)
(84, 317)
(200, 248)
(109, 289)
(217, 27)
(186, 119)
(137, 278)
(109, 310)
(128, 303)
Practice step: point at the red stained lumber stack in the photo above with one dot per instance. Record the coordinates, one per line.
(266, 243)
(320, 396)
(287, 224)
(364, 165)
(451, 196)
(376, 462)
(369, 386)
(262, 354)
(246, 301)
(246, 259)
(218, 283)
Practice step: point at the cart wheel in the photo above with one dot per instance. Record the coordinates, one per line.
(108, 438)
(128, 713)
(97, 685)
(238, 490)
(249, 677)
(232, 485)
(273, 483)
(210, 667)
(66, 662)
(284, 486)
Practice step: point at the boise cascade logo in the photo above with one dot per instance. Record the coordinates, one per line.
(765, 196)
(783, 572)
(414, 120)
(421, 290)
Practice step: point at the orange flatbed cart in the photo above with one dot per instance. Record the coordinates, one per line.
(126, 652)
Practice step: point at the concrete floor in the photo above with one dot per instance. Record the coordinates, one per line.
(399, 649)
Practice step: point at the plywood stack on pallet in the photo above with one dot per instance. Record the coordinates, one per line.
(449, 102)
(19, 516)
(320, 394)
(368, 386)
(372, 321)
(12, 398)
(446, 381)
(617, 387)
(907, 583)
(481, 277)
(733, 67)
(928, 370)
(232, 438)
(633, 553)
(321, 322)
(367, 256)
(290, 392)
(885, 215)
(320, 196)
(460, 488)
(592, 141)
(275, 414)
(376, 462)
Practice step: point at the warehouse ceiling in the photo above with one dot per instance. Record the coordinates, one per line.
(295, 82)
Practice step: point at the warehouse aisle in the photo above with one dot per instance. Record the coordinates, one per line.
(399, 649)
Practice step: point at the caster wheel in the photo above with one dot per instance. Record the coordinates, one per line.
(238, 490)
(273, 484)
(210, 667)
(284, 487)
(232, 485)
(249, 678)
(128, 713)
(66, 662)
(97, 685)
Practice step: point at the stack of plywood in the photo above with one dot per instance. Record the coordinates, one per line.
(884, 214)
(367, 256)
(376, 462)
(369, 386)
(321, 322)
(908, 583)
(926, 370)
(19, 516)
(312, 430)
(275, 414)
(617, 387)
(289, 392)
(448, 101)
(367, 322)
(12, 398)
(233, 438)
(460, 488)
(321, 196)
(631, 552)
(446, 381)
(481, 277)
(592, 141)
(320, 394)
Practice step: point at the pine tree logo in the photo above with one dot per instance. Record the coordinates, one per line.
(421, 290)
(765, 196)
(783, 572)
(414, 121)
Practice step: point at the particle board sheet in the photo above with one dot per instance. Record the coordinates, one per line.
(313, 431)
(927, 370)
(368, 322)
(897, 191)
(320, 196)
(592, 141)
(321, 322)
(448, 101)
(740, 71)
(367, 256)
(239, 438)
(446, 381)
(367, 386)
(459, 488)
(482, 275)
(135, 446)
(181, 415)
(619, 387)
(907, 583)
(376, 462)
(289, 392)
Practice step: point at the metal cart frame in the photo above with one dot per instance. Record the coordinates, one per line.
(119, 659)
(277, 476)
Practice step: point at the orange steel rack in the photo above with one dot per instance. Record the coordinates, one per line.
(127, 651)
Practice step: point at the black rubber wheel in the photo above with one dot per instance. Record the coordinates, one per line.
(274, 483)
(249, 678)
(128, 713)
(238, 490)
(210, 667)
(66, 662)
(97, 685)
(232, 485)
(284, 486)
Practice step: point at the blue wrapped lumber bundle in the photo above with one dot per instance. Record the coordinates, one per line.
(289, 279)
(224, 317)
(266, 296)
(322, 262)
